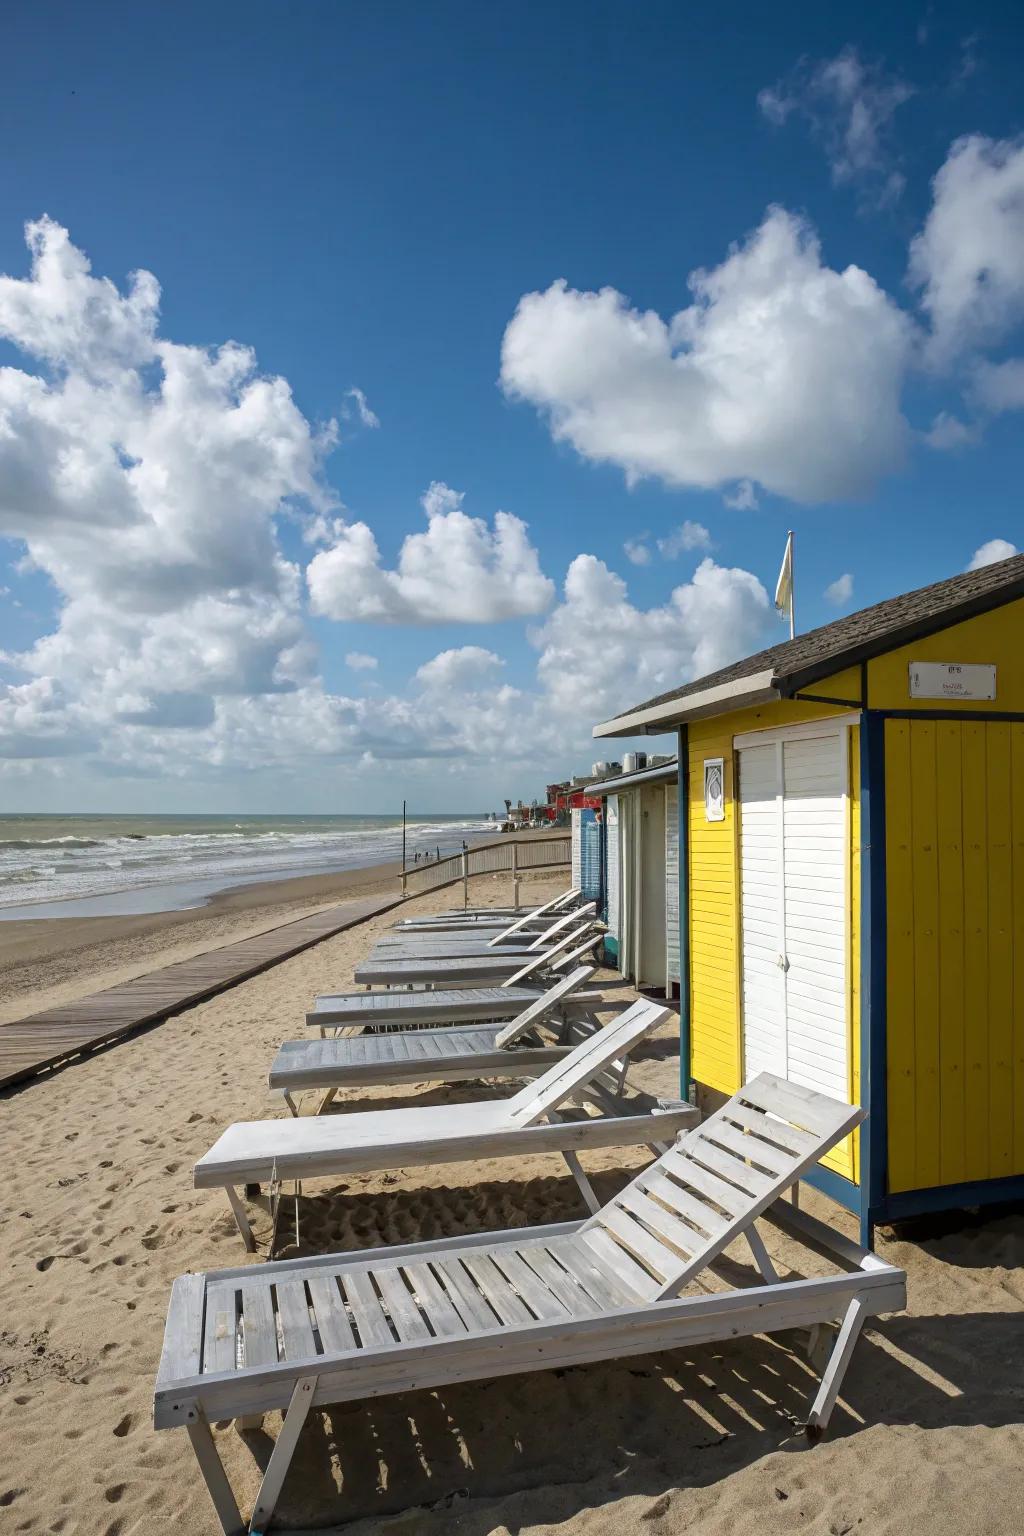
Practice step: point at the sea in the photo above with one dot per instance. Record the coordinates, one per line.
(111, 865)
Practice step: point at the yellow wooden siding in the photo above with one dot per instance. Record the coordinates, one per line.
(715, 1014)
(991, 637)
(714, 932)
(955, 999)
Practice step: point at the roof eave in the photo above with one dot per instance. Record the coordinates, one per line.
(758, 688)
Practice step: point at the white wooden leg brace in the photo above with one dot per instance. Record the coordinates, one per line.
(241, 1220)
(832, 1380)
(280, 1458)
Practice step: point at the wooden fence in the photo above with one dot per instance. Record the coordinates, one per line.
(504, 854)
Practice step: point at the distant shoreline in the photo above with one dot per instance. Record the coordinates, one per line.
(123, 867)
(46, 960)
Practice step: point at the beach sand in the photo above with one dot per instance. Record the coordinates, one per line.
(100, 1216)
(47, 961)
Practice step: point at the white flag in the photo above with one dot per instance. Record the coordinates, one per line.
(784, 586)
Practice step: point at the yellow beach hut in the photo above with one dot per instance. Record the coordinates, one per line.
(851, 872)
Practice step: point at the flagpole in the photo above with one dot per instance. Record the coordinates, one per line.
(792, 590)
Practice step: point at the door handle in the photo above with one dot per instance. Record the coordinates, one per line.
(782, 961)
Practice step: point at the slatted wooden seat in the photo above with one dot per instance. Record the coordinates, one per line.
(424, 1055)
(311, 1332)
(262, 1151)
(516, 938)
(447, 1006)
(492, 965)
(456, 916)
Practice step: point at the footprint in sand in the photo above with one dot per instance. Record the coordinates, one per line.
(125, 1426)
(115, 1493)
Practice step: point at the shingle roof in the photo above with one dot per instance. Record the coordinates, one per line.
(870, 632)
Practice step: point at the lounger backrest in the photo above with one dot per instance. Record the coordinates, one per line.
(533, 913)
(584, 1063)
(518, 1026)
(551, 933)
(686, 1208)
(588, 946)
(568, 947)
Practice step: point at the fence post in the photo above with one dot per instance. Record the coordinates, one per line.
(465, 880)
(515, 873)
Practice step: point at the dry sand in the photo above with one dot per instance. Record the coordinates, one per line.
(101, 1216)
(47, 961)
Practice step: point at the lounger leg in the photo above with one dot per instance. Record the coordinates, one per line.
(241, 1220)
(586, 1189)
(768, 1271)
(327, 1100)
(832, 1380)
(291, 1103)
(214, 1476)
(280, 1458)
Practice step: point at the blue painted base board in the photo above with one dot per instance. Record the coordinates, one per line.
(948, 1197)
(843, 1191)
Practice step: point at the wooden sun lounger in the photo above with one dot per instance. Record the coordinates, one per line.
(457, 1005)
(494, 965)
(395, 946)
(345, 1011)
(514, 1049)
(268, 1151)
(459, 915)
(311, 1332)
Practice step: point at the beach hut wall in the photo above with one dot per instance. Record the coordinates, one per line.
(851, 885)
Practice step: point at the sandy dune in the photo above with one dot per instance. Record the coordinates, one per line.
(100, 1216)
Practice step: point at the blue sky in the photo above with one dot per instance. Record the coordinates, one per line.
(363, 197)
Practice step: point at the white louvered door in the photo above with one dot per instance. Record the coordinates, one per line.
(793, 870)
(762, 912)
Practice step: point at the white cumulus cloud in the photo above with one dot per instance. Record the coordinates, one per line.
(599, 653)
(458, 569)
(840, 591)
(144, 478)
(684, 538)
(999, 387)
(989, 553)
(465, 665)
(949, 432)
(743, 498)
(359, 661)
(781, 371)
(637, 552)
(968, 259)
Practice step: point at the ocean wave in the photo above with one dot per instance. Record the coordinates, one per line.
(54, 868)
(26, 844)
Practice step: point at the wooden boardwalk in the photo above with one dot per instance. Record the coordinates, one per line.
(41, 1040)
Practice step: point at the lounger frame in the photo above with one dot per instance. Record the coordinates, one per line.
(868, 1287)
